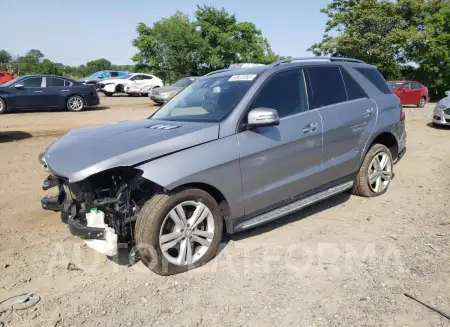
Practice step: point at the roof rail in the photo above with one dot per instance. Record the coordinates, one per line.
(288, 60)
(219, 71)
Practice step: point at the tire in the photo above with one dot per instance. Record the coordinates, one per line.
(362, 186)
(75, 103)
(422, 102)
(2, 106)
(108, 94)
(119, 88)
(153, 221)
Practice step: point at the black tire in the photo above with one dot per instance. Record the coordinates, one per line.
(108, 94)
(119, 88)
(80, 101)
(148, 226)
(422, 102)
(3, 107)
(361, 186)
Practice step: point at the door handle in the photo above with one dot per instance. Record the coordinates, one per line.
(65, 90)
(368, 112)
(38, 91)
(311, 127)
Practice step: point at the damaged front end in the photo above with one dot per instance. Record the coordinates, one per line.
(103, 208)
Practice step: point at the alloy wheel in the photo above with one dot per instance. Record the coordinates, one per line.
(380, 172)
(186, 233)
(75, 103)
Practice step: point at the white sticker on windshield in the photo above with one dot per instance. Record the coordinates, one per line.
(238, 78)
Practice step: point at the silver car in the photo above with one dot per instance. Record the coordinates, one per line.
(441, 115)
(233, 151)
(161, 95)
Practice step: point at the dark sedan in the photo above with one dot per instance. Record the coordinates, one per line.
(46, 91)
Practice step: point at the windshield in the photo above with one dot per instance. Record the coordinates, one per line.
(97, 74)
(11, 82)
(207, 100)
(394, 85)
(184, 82)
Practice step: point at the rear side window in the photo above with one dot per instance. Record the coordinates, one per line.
(415, 85)
(375, 77)
(285, 92)
(114, 74)
(354, 90)
(327, 86)
(54, 82)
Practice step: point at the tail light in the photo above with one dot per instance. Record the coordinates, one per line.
(402, 113)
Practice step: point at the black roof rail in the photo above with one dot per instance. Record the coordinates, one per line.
(288, 60)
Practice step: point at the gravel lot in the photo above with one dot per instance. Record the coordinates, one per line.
(344, 262)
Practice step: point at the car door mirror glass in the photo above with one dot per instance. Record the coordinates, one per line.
(260, 117)
(19, 86)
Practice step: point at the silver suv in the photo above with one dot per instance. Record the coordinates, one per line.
(236, 149)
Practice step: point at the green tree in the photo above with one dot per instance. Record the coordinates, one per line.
(171, 48)
(96, 65)
(230, 41)
(48, 68)
(5, 57)
(175, 47)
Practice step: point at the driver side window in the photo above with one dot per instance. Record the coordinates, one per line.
(285, 92)
(32, 82)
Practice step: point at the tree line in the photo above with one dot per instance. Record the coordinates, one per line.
(405, 39)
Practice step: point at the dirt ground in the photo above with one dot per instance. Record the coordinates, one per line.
(343, 262)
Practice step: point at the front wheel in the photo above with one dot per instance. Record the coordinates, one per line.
(178, 232)
(375, 173)
(75, 103)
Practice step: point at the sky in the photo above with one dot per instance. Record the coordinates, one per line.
(73, 32)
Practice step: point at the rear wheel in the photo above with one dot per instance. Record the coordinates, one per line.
(2, 106)
(178, 232)
(75, 103)
(376, 172)
(422, 102)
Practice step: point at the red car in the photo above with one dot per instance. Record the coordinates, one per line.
(5, 77)
(410, 93)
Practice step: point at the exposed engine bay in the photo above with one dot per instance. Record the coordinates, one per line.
(114, 196)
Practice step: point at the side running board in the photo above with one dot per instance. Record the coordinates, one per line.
(294, 206)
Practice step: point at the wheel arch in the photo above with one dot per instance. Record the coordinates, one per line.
(389, 140)
(218, 196)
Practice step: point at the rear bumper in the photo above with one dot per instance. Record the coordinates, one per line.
(92, 100)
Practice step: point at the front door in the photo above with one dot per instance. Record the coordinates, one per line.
(30, 95)
(280, 162)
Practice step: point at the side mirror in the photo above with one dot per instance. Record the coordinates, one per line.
(19, 86)
(260, 117)
(447, 93)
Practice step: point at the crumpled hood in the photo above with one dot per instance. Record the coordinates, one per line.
(86, 151)
(114, 80)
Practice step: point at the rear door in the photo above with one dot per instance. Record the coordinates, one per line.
(280, 162)
(31, 94)
(416, 90)
(56, 91)
(348, 117)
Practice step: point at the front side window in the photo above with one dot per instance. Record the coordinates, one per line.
(210, 99)
(415, 85)
(33, 82)
(114, 74)
(285, 92)
(146, 77)
(54, 82)
(136, 78)
(327, 86)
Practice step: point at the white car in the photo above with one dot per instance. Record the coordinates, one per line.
(441, 115)
(140, 84)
